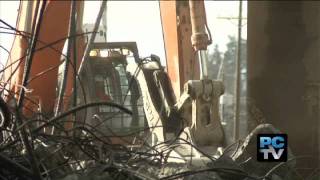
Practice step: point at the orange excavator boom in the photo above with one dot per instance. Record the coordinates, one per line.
(46, 59)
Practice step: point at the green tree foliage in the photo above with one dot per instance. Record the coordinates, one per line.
(228, 58)
(215, 60)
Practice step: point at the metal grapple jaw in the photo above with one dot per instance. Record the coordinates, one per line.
(199, 107)
(192, 121)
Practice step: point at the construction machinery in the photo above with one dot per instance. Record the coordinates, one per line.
(185, 111)
(177, 104)
(106, 79)
(180, 105)
(75, 103)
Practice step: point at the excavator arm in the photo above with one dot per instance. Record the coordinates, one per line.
(181, 58)
(185, 110)
(47, 54)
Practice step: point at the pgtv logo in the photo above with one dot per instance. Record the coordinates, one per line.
(272, 147)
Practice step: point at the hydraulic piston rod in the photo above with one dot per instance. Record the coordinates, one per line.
(199, 38)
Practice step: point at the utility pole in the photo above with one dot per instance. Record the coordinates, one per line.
(237, 74)
(238, 79)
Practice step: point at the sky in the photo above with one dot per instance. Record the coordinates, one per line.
(140, 21)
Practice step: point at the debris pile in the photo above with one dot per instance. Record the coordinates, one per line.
(84, 152)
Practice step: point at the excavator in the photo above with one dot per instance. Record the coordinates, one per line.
(169, 114)
(179, 104)
(104, 77)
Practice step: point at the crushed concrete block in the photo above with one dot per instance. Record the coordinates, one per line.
(246, 156)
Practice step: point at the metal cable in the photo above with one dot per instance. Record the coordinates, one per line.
(27, 70)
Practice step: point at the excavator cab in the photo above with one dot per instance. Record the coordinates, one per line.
(105, 78)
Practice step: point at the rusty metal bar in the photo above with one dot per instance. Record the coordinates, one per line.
(91, 40)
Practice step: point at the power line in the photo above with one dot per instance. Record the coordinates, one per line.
(232, 18)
